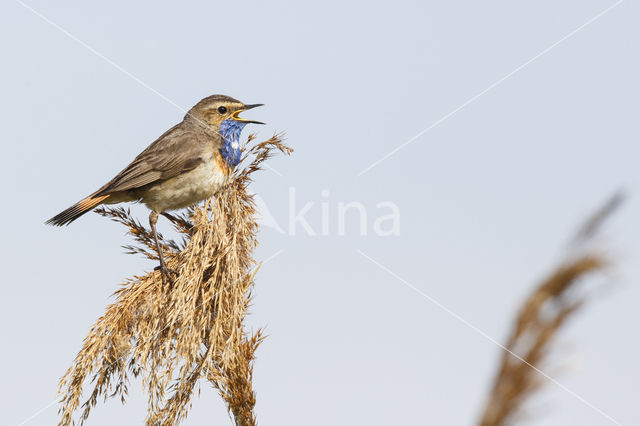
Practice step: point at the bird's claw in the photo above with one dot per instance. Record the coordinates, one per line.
(166, 272)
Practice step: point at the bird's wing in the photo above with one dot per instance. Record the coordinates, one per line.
(176, 151)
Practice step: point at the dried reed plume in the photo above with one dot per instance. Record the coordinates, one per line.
(176, 334)
(541, 316)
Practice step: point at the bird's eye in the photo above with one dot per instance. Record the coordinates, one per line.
(222, 110)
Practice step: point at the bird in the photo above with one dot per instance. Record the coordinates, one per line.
(187, 164)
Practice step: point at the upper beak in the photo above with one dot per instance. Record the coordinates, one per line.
(236, 115)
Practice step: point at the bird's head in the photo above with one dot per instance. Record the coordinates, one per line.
(222, 113)
(216, 109)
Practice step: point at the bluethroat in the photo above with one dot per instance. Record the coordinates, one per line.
(185, 165)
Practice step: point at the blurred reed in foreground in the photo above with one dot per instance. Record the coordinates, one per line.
(174, 335)
(540, 319)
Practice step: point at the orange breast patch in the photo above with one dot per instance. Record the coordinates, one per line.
(221, 164)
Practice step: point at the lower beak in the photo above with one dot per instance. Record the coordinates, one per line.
(236, 115)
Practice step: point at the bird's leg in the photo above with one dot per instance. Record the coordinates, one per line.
(164, 271)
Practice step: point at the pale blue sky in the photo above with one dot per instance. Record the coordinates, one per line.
(487, 198)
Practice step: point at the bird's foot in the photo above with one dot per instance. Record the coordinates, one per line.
(165, 273)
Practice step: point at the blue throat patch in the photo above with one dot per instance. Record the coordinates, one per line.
(230, 130)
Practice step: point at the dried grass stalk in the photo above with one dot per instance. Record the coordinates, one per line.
(541, 316)
(176, 334)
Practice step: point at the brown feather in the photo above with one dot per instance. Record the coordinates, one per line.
(178, 150)
(78, 209)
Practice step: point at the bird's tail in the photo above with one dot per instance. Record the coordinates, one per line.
(75, 211)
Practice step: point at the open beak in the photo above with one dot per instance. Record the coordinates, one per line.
(236, 115)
